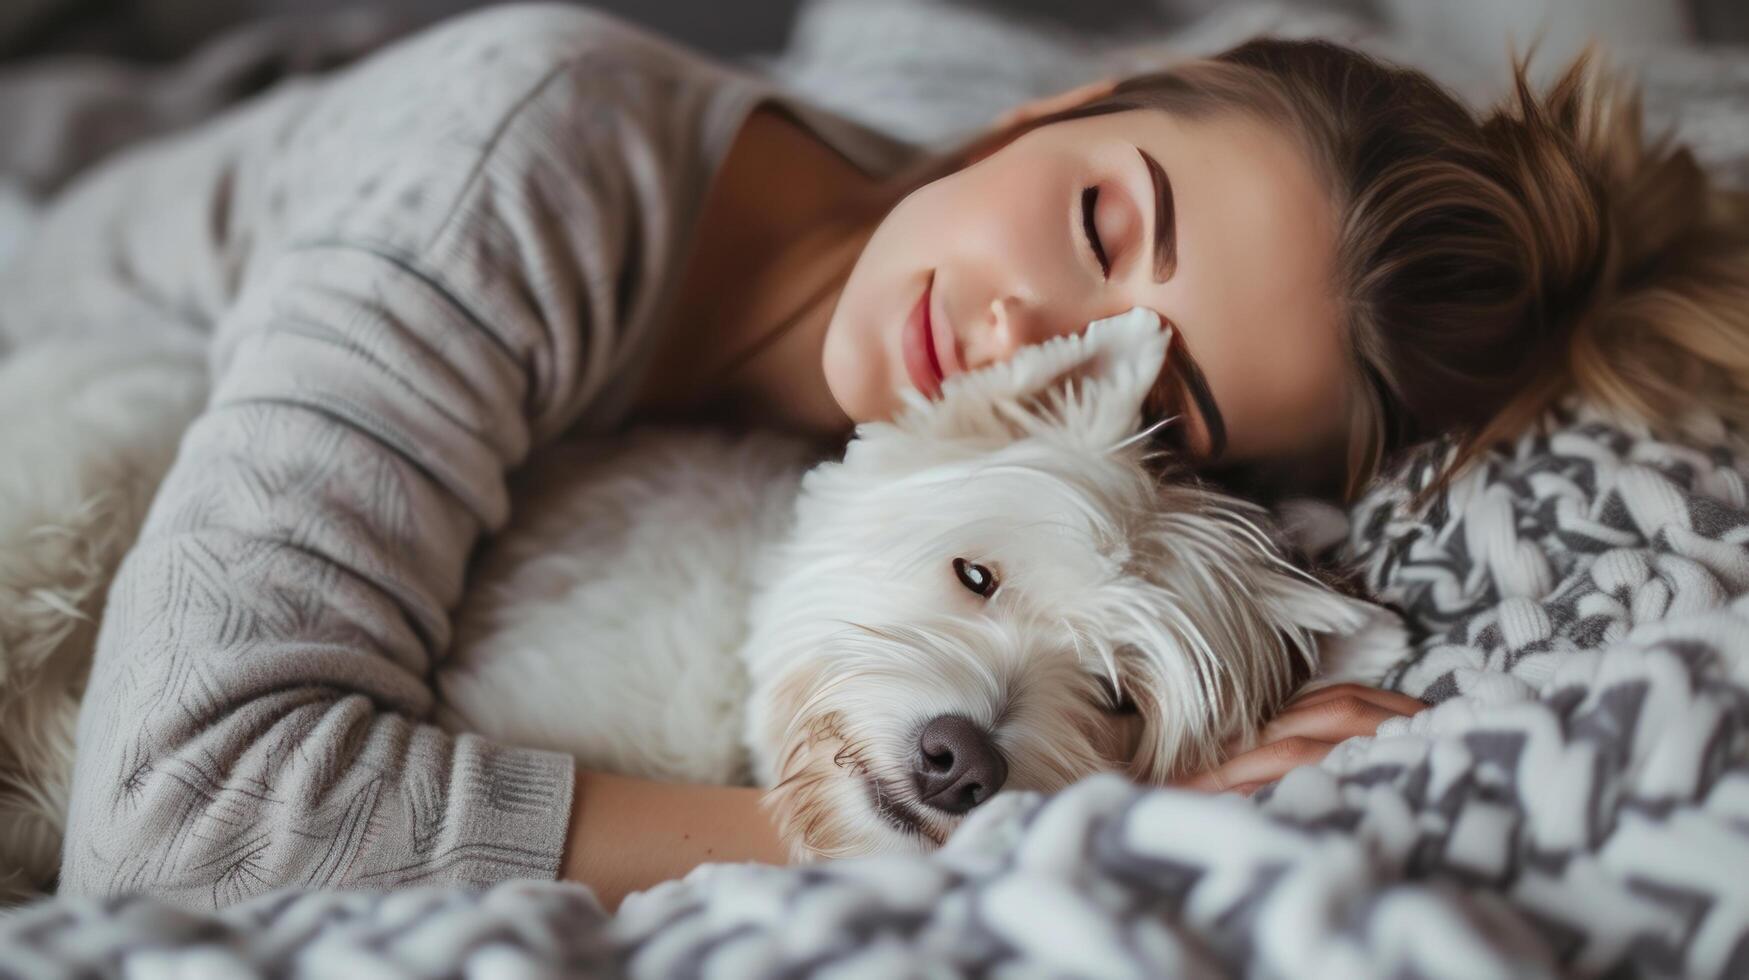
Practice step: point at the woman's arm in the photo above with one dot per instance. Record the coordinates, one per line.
(256, 712)
(628, 834)
(255, 718)
(473, 228)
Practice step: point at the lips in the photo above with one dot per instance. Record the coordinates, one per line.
(922, 362)
(941, 333)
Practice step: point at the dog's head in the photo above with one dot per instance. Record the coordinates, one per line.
(997, 591)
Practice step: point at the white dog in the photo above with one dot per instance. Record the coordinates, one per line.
(995, 591)
(87, 431)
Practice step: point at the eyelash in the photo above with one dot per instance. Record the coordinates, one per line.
(1090, 198)
(1177, 437)
(1172, 401)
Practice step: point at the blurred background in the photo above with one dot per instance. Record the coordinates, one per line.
(80, 79)
(166, 29)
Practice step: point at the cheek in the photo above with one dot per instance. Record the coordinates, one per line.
(851, 366)
(995, 228)
(983, 222)
(862, 356)
(998, 222)
(858, 356)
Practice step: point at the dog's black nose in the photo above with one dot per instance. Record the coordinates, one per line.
(957, 766)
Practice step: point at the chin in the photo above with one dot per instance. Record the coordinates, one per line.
(863, 359)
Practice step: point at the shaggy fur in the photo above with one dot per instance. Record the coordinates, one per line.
(614, 607)
(88, 432)
(600, 621)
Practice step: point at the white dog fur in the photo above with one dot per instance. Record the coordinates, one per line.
(87, 432)
(670, 607)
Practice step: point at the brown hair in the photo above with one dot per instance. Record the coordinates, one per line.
(1488, 265)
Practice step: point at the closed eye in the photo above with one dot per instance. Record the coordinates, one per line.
(1165, 405)
(1175, 437)
(1089, 201)
(1179, 387)
(1169, 408)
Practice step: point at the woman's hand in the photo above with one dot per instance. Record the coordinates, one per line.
(629, 834)
(1305, 731)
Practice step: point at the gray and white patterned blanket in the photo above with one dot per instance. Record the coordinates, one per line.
(1575, 803)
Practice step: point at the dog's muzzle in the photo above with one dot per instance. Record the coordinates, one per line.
(957, 766)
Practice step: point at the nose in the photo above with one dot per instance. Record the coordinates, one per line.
(957, 766)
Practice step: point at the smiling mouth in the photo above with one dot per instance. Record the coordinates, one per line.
(922, 361)
(929, 333)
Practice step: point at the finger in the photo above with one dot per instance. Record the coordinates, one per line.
(1376, 695)
(1207, 781)
(1328, 721)
(1331, 714)
(1241, 742)
(1402, 704)
(1261, 765)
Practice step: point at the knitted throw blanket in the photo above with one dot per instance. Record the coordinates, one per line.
(1576, 802)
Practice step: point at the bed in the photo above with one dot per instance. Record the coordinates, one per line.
(1575, 803)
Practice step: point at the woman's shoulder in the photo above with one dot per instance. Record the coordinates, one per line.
(430, 146)
(393, 144)
(516, 46)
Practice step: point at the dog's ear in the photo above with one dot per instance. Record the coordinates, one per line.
(1297, 599)
(1355, 640)
(1091, 386)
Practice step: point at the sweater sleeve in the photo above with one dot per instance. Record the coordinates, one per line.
(258, 711)
(255, 714)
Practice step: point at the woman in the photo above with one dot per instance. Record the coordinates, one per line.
(414, 273)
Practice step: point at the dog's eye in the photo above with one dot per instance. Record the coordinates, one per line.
(975, 577)
(1115, 702)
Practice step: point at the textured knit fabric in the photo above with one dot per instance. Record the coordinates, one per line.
(409, 275)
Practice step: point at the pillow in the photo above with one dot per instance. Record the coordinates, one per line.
(1701, 95)
(932, 73)
(927, 73)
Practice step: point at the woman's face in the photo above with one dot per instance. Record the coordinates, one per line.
(1219, 225)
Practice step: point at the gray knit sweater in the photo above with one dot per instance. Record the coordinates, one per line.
(409, 275)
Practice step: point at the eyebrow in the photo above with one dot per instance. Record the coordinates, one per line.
(1165, 220)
